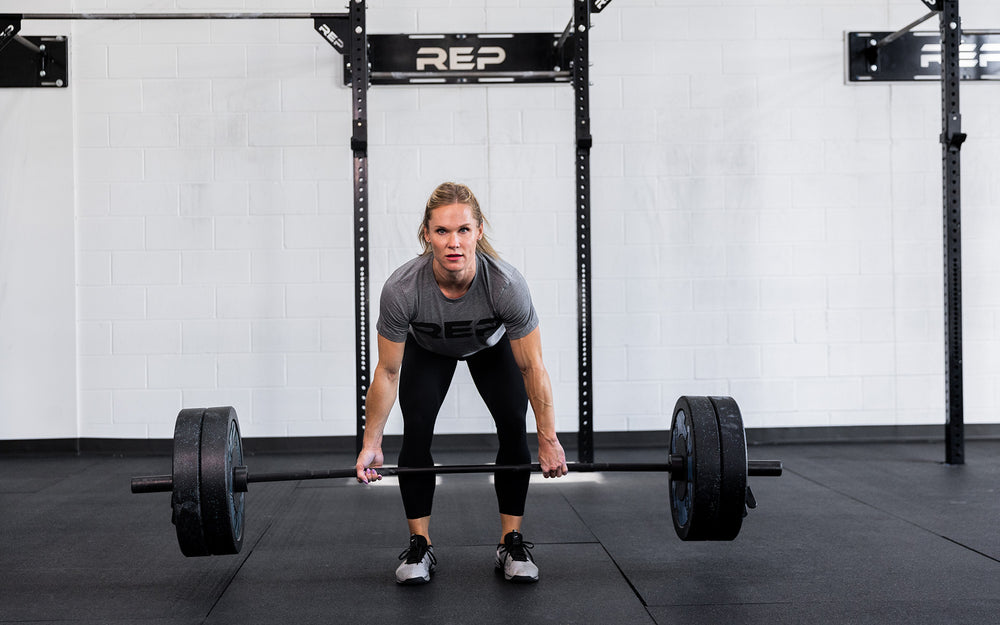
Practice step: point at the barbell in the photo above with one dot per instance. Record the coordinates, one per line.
(707, 463)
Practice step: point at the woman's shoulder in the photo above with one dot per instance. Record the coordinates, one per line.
(500, 271)
(502, 275)
(409, 271)
(498, 267)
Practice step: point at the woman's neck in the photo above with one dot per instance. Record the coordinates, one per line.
(454, 284)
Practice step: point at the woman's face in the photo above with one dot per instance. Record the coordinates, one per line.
(452, 233)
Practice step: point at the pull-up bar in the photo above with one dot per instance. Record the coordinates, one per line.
(170, 16)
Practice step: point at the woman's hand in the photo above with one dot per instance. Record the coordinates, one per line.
(551, 457)
(368, 460)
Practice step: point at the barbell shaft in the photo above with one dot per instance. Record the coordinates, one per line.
(164, 483)
(588, 467)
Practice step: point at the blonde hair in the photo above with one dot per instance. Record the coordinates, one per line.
(446, 194)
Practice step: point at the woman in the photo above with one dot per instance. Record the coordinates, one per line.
(459, 301)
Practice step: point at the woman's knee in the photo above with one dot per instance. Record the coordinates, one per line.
(513, 448)
(415, 454)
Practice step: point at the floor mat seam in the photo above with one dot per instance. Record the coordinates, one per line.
(896, 516)
(621, 572)
(246, 557)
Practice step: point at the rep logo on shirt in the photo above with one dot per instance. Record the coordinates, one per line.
(457, 329)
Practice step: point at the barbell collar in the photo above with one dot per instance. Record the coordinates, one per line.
(241, 477)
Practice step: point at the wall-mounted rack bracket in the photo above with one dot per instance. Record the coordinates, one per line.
(459, 58)
(33, 61)
(913, 56)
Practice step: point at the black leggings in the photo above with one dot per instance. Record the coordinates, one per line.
(424, 379)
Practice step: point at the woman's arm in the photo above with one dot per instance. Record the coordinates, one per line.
(528, 355)
(378, 402)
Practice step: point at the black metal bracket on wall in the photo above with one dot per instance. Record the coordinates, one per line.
(30, 61)
(911, 56)
(916, 56)
(464, 58)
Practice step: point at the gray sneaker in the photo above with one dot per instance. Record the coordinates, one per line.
(418, 562)
(514, 559)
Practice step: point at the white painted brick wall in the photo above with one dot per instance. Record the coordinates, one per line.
(761, 228)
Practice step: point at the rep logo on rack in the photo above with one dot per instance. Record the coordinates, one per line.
(460, 58)
(969, 54)
(331, 36)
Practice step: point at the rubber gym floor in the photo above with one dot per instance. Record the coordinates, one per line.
(851, 533)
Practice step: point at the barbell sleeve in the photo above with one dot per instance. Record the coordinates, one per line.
(764, 468)
(153, 484)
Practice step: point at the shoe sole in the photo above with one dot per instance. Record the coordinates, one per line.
(521, 579)
(416, 581)
(516, 579)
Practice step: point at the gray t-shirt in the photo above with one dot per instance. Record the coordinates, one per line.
(497, 301)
